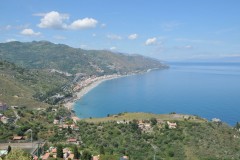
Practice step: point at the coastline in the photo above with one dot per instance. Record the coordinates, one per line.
(79, 94)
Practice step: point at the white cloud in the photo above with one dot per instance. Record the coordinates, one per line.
(53, 20)
(151, 41)
(83, 23)
(10, 40)
(132, 36)
(114, 37)
(56, 20)
(30, 32)
(113, 48)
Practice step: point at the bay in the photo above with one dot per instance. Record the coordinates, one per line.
(210, 90)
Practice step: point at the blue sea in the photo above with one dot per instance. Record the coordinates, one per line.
(210, 90)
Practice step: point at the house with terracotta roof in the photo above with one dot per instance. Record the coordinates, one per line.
(72, 140)
(45, 156)
(54, 150)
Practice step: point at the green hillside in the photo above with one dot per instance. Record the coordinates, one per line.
(35, 72)
(47, 55)
(193, 138)
(27, 87)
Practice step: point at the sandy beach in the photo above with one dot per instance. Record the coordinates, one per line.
(79, 94)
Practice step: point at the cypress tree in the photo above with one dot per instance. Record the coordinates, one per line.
(9, 149)
(59, 151)
(101, 150)
(76, 152)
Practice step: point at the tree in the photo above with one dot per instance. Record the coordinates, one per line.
(69, 130)
(237, 125)
(101, 150)
(59, 151)
(9, 149)
(166, 126)
(76, 152)
(134, 125)
(18, 154)
(86, 155)
(153, 121)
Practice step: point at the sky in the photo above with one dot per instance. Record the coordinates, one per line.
(169, 30)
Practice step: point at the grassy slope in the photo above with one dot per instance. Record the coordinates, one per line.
(144, 116)
(14, 93)
(18, 85)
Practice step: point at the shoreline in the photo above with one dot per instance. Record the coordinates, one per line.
(79, 94)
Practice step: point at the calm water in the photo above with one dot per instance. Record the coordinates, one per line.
(207, 90)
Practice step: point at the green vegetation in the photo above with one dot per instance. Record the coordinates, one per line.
(36, 74)
(143, 116)
(46, 55)
(193, 138)
(190, 140)
(29, 87)
(35, 90)
(59, 151)
(18, 154)
(76, 152)
(39, 121)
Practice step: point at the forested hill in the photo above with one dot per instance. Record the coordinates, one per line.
(47, 55)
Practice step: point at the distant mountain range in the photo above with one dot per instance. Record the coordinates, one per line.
(47, 55)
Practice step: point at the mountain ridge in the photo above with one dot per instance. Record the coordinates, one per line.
(45, 54)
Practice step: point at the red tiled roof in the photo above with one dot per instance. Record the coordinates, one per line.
(45, 156)
(72, 140)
